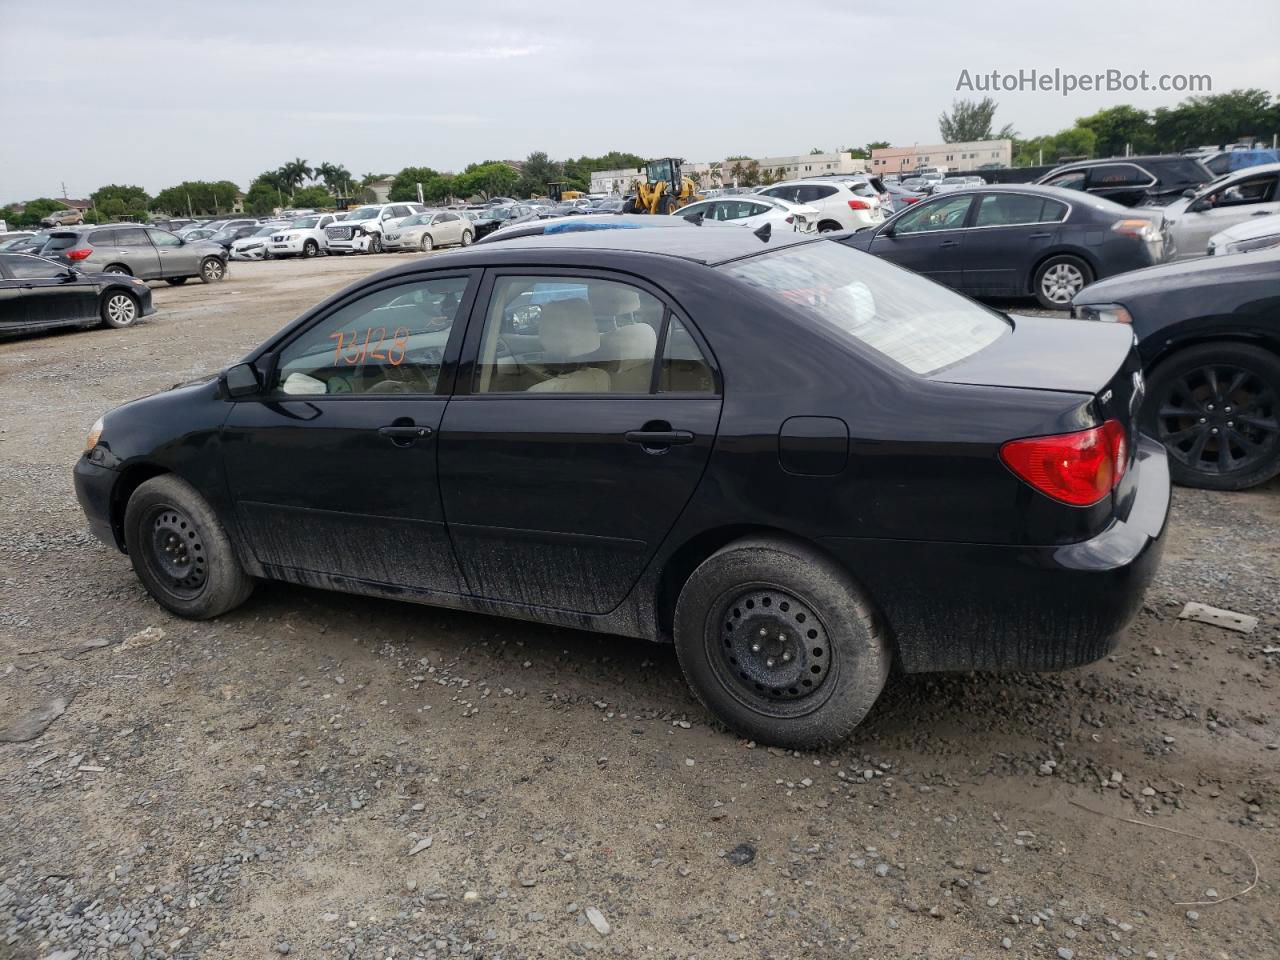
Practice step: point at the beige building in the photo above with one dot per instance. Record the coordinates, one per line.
(953, 156)
(720, 173)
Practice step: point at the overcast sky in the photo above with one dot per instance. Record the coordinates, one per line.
(152, 93)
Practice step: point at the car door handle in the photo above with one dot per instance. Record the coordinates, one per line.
(658, 438)
(948, 243)
(1039, 236)
(404, 433)
(1261, 213)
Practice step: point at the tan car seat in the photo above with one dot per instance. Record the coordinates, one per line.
(569, 338)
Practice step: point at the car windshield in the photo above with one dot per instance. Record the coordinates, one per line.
(417, 220)
(305, 223)
(266, 231)
(364, 213)
(501, 213)
(922, 326)
(954, 180)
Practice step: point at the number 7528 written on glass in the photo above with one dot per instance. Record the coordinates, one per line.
(354, 347)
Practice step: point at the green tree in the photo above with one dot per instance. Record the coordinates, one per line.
(263, 198)
(814, 151)
(1073, 142)
(489, 179)
(405, 185)
(295, 171)
(751, 174)
(335, 176)
(1216, 119)
(539, 170)
(116, 200)
(713, 173)
(31, 213)
(197, 196)
(971, 120)
(312, 196)
(1118, 127)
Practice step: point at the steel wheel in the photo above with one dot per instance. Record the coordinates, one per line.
(119, 310)
(1219, 418)
(1061, 282)
(771, 651)
(174, 552)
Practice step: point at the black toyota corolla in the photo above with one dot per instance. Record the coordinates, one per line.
(796, 461)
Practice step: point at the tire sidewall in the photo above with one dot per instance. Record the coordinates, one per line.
(106, 316)
(467, 238)
(861, 657)
(310, 249)
(204, 276)
(1037, 281)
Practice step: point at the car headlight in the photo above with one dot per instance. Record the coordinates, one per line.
(95, 434)
(1257, 243)
(1102, 312)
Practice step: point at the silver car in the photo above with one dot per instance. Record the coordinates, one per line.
(142, 252)
(426, 231)
(1256, 233)
(1231, 199)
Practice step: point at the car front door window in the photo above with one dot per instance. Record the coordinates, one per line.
(946, 214)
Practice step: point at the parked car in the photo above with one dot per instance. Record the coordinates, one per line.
(1231, 199)
(1256, 233)
(948, 184)
(210, 227)
(307, 236)
(754, 212)
(175, 225)
(1132, 181)
(1208, 332)
(1017, 240)
(362, 230)
(190, 236)
(229, 235)
(37, 294)
(62, 218)
(8, 240)
(426, 231)
(900, 197)
(874, 470)
(142, 252)
(840, 206)
(254, 245)
(482, 221)
(32, 243)
(1228, 161)
(607, 205)
(918, 185)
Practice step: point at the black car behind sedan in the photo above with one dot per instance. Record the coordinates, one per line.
(797, 462)
(38, 294)
(1208, 331)
(1012, 241)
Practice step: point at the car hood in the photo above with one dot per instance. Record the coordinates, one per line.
(1250, 229)
(1181, 275)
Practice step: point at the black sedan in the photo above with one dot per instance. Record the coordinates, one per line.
(797, 462)
(1017, 240)
(37, 294)
(1208, 331)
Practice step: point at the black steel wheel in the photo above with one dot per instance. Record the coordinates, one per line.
(779, 642)
(174, 551)
(1216, 409)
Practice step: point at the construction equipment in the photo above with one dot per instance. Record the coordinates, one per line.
(557, 192)
(664, 189)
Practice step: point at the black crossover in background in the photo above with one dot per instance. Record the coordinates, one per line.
(1017, 240)
(797, 462)
(1208, 331)
(39, 294)
(1132, 181)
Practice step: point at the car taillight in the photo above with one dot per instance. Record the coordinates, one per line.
(1076, 468)
(859, 205)
(911, 199)
(75, 256)
(1142, 229)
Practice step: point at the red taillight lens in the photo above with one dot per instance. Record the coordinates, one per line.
(1076, 468)
(75, 256)
(859, 205)
(911, 199)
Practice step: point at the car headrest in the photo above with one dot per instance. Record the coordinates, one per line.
(568, 329)
(613, 299)
(635, 341)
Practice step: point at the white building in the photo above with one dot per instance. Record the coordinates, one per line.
(614, 181)
(720, 173)
(958, 157)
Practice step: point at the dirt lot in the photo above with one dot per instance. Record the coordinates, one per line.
(328, 776)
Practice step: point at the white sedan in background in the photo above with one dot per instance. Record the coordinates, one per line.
(304, 237)
(426, 231)
(1260, 233)
(754, 211)
(254, 246)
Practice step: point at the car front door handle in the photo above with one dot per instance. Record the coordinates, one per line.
(658, 439)
(948, 243)
(1039, 236)
(404, 434)
(1261, 213)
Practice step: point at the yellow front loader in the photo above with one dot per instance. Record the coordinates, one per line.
(664, 190)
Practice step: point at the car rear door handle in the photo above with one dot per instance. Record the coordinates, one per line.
(1040, 236)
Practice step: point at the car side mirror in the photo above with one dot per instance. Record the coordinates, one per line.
(1188, 192)
(241, 381)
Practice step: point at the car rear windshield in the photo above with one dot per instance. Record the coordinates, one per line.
(921, 325)
(61, 241)
(1177, 170)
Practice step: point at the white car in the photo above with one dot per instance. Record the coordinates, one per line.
(1260, 233)
(754, 212)
(950, 184)
(841, 204)
(426, 231)
(304, 237)
(254, 246)
(363, 228)
(1225, 202)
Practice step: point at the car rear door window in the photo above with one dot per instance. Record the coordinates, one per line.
(684, 366)
(391, 341)
(102, 238)
(568, 335)
(1071, 180)
(1009, 209)
(132, 237)
(1119, 175)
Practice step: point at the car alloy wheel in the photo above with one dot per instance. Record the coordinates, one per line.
(120, 310)
(425, 244)
(212, 269)
(772, 652)
(1219, 418)
(310, 249)
(466, 238)
(175, 552)
(375, 243)
(115, 268)
(1061, 282)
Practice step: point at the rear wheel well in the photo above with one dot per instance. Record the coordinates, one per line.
(830, 224)
(690, 555)
(1074, 254)
(1173, 349)
(118, 267)
(132, 478)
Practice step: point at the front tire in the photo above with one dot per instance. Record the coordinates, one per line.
(375, 243)
(1216, 409)
(310, 249)
(780, 643)
(426, 245)
(119, 309)
(212, 270)
(181, 552)
(466, 238)
(1059, 279)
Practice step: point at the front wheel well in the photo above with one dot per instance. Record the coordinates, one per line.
(131, 478)
(1170, 350)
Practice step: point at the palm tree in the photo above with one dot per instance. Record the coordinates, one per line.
(737, 171)
(295, 171)
(334, 175)
(713, 174)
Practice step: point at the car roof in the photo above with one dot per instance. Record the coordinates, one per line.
(707, 243)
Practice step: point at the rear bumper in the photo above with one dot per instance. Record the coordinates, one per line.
(964, 606)
(93, 485)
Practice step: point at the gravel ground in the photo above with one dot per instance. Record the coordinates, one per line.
(326, 776)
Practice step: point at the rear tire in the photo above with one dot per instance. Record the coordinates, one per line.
(466, 238)
(1230, 388)
(829, 226)
(1059, 279)
(761, 612)
(175, 281)
(181, 552)
(212, 270)
(119, 268)
(119, 309)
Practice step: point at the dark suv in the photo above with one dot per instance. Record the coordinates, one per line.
(142, 252)
(1132, 181)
